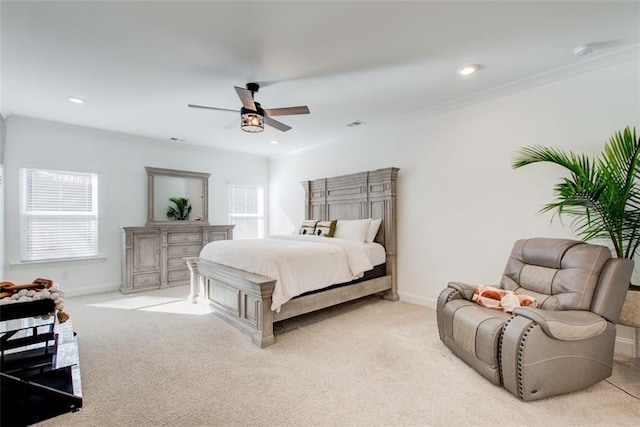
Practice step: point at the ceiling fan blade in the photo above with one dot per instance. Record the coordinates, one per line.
(204, 107)
(246, 97)
(276, 124)
(287, 111)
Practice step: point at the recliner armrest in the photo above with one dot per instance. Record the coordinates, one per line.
(465, 289)
(567, 325)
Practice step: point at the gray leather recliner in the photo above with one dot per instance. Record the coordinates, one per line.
(565, 344)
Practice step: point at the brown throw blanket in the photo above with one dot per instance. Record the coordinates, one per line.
(499, 299)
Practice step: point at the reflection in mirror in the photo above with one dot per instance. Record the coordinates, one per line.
(165, 184)
(168, 187)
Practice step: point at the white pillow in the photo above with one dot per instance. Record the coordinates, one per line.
(373, 230)
(355, 229)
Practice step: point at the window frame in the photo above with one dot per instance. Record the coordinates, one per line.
(258, 215)
(28, 255)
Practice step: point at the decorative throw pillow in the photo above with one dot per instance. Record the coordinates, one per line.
(326, 228)
(373, 230)
(308, 226)
(355, 229)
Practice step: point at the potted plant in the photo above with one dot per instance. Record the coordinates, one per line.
(601, 196)
(181, 210)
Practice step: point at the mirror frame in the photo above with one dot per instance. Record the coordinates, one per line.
(153, 172)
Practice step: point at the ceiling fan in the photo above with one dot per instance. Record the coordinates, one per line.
(252, 116)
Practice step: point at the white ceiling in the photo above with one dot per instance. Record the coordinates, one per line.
(138, 64)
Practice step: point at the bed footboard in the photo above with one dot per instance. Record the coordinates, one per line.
(241, 298)
(244, 299)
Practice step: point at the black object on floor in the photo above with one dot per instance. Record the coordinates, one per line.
(39, 370)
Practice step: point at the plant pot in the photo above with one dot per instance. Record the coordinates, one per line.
(630, 314)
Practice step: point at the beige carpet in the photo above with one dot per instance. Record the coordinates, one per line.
(626, 375)
(154, 360)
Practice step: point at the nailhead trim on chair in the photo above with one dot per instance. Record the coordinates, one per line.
(452, 294)
(520, 350)
(500, 347)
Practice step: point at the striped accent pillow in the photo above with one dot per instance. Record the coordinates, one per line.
(326, 228)
(308, 226)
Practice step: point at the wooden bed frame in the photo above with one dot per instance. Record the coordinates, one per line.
(244, 299)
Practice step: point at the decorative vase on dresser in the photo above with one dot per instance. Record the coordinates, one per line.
(152, 255)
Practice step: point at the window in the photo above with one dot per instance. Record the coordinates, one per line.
(246, 211)
(59, 214)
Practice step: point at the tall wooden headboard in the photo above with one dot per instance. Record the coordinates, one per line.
(361, 195)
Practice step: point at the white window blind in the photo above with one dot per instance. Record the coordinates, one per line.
(59, 214)
(246, 211)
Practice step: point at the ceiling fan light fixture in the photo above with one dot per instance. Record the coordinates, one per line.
(252, 121)
(252, 116)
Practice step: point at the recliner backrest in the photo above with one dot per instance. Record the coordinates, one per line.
(561, 274)
(612, 289)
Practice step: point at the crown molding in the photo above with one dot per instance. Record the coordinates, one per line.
(630, 53)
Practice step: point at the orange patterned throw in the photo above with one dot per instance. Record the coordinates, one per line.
(499, 299)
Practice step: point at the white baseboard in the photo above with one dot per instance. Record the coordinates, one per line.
(418, 299)
(626, 347)
(627, 341)
(94, 289)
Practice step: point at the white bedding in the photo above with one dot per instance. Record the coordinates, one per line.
(299, 263)
(375, 252)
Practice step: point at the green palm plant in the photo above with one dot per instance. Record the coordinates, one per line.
(181, 210)
(601, 195)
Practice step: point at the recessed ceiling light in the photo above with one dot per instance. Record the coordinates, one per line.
(465, 70)
(274, 141)
(584, 49)
(76, 100)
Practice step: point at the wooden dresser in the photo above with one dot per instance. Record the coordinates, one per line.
(152, 255)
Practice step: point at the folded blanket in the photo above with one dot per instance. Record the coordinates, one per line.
(500, 299)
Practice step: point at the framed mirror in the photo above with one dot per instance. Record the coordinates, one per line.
(188, 189)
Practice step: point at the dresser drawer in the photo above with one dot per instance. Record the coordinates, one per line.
(146, 280)
(178, 275)
(153, 255)
(184, 250)
(176, 264)
(184, 238)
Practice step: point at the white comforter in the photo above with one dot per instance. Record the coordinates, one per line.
(298, 263)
